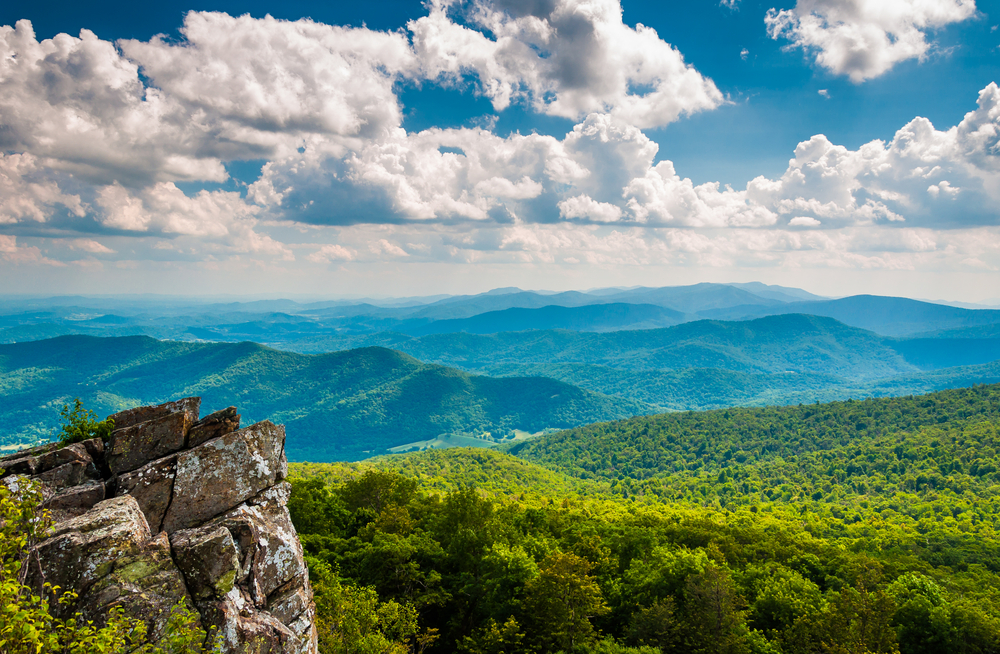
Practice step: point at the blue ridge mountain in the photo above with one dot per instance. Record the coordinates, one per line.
(338, 406)
(787, 343)
(890, 316)
(589, 318)
(317, 326)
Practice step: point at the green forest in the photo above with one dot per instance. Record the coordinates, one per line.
(371, 399)
(861, 527)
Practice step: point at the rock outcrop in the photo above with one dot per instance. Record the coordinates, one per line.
(176, 509)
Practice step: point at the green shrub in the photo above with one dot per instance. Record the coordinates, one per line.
(80, 424)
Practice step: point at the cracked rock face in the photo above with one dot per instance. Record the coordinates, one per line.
(176, 510)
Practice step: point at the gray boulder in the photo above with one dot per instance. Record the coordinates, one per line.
(198, 519)
(133, 447)
(130, 417)
(214, 425)
(209, 560)
(153, 488)
(224, 472)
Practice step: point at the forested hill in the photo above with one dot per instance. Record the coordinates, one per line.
(928, 464)
(841, 528)
(343, 405)
(672, 443)
(589, 318)
(775, 344)
(893, 316)
(772, 345)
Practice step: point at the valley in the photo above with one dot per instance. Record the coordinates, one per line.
(457, 463)
(359, 379)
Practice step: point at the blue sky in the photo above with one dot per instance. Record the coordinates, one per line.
(460, 146)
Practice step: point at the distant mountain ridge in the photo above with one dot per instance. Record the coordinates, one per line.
(587, 318)
(317, 326)
(640, 349)
(343, 405)
(778, 359)
(773, 344)
(891, 316)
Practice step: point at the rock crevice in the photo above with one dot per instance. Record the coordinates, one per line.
(176, 509)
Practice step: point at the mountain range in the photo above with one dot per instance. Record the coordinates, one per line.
(330, 325)
(337, 406)
(360, 377)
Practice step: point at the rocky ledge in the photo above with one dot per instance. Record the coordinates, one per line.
(176, 509)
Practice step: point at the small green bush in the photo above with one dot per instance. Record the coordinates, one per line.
(80, 424)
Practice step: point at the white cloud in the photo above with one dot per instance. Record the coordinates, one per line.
(567, 57)
(31, 194)
(662, 197)
(91, 149)
(945, 188)
(865, 38)
(164, 210)
(332, 252)
(408, 177)
(80, 107)
(383, 246)
(612, 247)
(89, 245)
(978, 135)
(27, 193)
(314, 78)
(583, 206)
(100, 142)
(603, 171)
(11, 252)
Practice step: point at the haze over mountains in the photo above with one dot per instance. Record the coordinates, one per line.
(317, 326)
(562, 359)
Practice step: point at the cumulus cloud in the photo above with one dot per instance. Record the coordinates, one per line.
(32, 195)
(163, 209)
(11, 252)
(314, 78)
(583, 206)
(604, 170)
(79, 107)
(89, 245)
(97, 138)
(566, 57)
(662, 197)
(383, 246)
(101, 131)
(611, 247)
(332, 252)
(27, 193)
(864, 38)
(458, 174)
(923, 176)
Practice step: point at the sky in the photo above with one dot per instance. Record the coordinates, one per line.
(406, 148)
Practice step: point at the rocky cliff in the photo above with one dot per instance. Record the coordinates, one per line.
(173, 509)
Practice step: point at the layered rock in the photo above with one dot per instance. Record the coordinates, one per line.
(176, 510)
